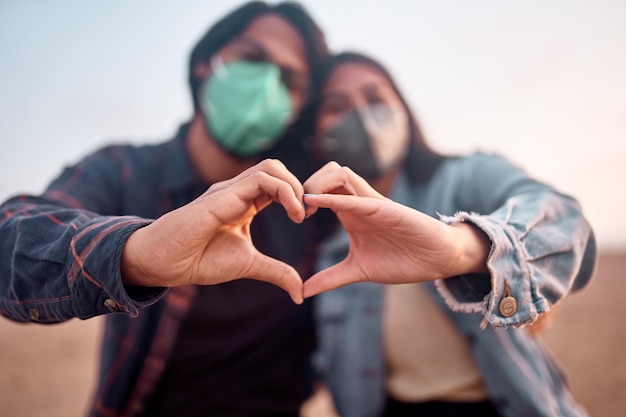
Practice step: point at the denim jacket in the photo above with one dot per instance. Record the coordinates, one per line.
(541, 249)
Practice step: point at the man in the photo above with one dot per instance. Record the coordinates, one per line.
(89, 244)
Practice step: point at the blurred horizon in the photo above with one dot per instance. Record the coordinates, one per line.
(540, 82)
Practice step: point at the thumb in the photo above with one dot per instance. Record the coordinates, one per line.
(330, 278)
(273, 271)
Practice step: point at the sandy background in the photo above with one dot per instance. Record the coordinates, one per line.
(50, 370)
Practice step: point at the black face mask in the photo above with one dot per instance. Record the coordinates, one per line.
(370, 140)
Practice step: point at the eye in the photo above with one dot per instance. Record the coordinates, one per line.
(246, 50)
(374, 98)
(379, 93)
(334, 106)
(296, 83)
(253, 56)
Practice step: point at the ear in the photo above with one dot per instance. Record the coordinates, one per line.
(201, 70)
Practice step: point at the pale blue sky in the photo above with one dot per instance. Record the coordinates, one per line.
(541, 81)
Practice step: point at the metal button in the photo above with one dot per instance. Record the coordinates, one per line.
(33, 313)
(111, 305)
(508, 306)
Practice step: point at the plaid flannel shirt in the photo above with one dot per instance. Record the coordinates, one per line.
(60, 255)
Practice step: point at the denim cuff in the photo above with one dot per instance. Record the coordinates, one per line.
(504, 295)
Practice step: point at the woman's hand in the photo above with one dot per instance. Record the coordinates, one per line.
(389, 243)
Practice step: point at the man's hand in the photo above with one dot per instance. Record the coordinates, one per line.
(208, 240)
(389, 243)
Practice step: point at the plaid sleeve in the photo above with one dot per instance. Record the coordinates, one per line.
(58, 263)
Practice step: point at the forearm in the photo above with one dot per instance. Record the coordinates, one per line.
(58, 263)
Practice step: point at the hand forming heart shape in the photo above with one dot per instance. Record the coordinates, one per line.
(208, 241)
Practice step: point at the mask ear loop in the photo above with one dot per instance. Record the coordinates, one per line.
(218, 68)
(376, 126)
(372, 125)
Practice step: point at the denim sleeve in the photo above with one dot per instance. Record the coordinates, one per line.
(542, 247)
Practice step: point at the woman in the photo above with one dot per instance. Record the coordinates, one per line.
(450, 338)
(113, 230)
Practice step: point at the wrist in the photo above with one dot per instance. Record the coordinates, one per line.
(474, 247)
(131, 267)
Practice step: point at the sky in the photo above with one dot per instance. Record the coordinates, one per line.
(538, 81)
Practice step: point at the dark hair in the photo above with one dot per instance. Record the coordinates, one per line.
(421, 161)
(239, 19)
(289, 149)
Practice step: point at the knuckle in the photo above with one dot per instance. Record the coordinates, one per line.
(258, 176)
(272, 164)
(346, 174)
(345, 170)
(213, 187)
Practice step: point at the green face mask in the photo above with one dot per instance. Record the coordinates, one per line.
(246, 106)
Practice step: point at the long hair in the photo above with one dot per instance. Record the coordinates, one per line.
(421, 161)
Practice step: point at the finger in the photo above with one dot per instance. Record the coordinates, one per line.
(339, 181)
(281, 192)
(330, 278)
(340, 202)
(308, 210)
(272, 167)
(273, 271)
(258, 188)
(336, 180)
(275, 168)
(313, 179)
(314, 201)
(327, 168)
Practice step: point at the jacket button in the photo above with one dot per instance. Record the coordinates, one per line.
(33, 313)
(508, 306)
(111, 305)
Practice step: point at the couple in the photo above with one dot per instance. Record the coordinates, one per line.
(161, 238)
